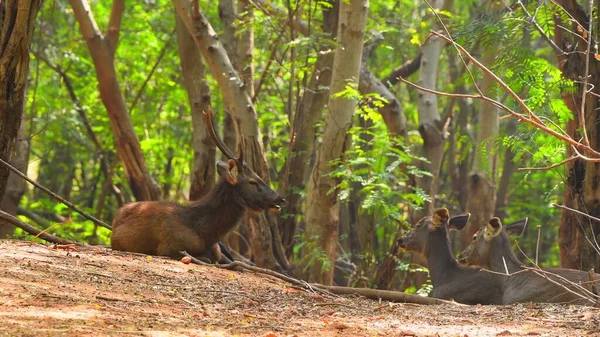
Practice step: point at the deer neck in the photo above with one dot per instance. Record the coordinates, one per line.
(501, 253)
(216, 213)
(440, 259)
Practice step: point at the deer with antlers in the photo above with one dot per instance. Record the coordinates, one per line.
(166, 228)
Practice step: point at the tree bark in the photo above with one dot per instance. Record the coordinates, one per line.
(196, 85)
(481, 183)
(577, 235)
(430, 126)
(228, 15)
(322, 213)
(240, 104)
(102, 49)
(304, 132)
(17, 21)
(15, 186)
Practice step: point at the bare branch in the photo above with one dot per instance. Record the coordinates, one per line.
(7, 218)
(55, 196)
(404, 70)
(543, 34)
(114, 24)
(548, 167)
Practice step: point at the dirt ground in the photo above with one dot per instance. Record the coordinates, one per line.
(96, 292)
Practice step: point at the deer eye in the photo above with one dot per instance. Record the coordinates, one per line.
(253, 182)
(474, 237)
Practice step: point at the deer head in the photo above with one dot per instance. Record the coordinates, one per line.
(419, 237)
(479, 251)
(250, 190)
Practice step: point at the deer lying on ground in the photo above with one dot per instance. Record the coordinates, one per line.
(166, 229)
(491, 249)
(450, 280)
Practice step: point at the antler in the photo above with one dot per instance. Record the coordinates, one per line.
(210, 124)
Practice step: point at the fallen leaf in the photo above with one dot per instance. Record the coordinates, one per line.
(269, 334)
(340, 326)
(504, 333)
(186, 259)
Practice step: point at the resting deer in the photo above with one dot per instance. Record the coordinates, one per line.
(491, 249)
(166, 229)
(450, 280)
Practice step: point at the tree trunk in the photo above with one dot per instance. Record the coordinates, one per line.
(102, 49)
(227, 13)
(240, 104)
(17, 20)
(481, 183)
(304, 131)
(322, 213)
(194, 79)
(15, 186)
(430, 126)
(578, 235)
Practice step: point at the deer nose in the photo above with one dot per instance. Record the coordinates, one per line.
(400, 242)
(280, 201)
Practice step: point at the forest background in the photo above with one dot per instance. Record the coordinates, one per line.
(115, 93)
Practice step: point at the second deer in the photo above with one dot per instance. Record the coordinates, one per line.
(450, 280)
(491, 249)
(166, 229)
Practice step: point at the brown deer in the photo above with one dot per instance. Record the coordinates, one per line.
(491, 249)
(166, 229)
(450, 280)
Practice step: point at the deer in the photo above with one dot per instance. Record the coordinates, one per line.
(491, 249)
(167, 228)
(451, 281)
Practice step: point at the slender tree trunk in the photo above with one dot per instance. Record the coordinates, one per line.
(17, 20)
(430, 125)
(194, 79)
(304, 131)
(228, 15)
(240, 104)
(16, 186)
(578, 236)
(102, 48)
(322, 213)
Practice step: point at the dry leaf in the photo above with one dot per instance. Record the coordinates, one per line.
(269, 334)
(186, 259)
(340, 326)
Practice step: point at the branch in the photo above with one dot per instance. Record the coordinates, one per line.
(114, 25)
(7, 218)
(406, 69)
(87, 24)
(57, 197)
(548, 167)
(386, 295)
(540, 29)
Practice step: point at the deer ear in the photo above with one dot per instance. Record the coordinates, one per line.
(516, 228)
(229, 170)
(440, 217)
(232, 176)
(493, 229)
(459, 222)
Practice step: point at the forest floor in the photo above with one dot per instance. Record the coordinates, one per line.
(96, 292)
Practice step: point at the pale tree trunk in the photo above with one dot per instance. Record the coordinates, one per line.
(194, 79)
(579, 236)
(102, 48)
(16, 186)
(481, 182)
(302, 140)
(430, 125)
(240, 104)
(322, 206)
(17, 20)
(228, 15)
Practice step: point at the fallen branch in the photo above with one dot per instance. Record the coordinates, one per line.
(386, 295)
(7, 218)
(238, 264)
